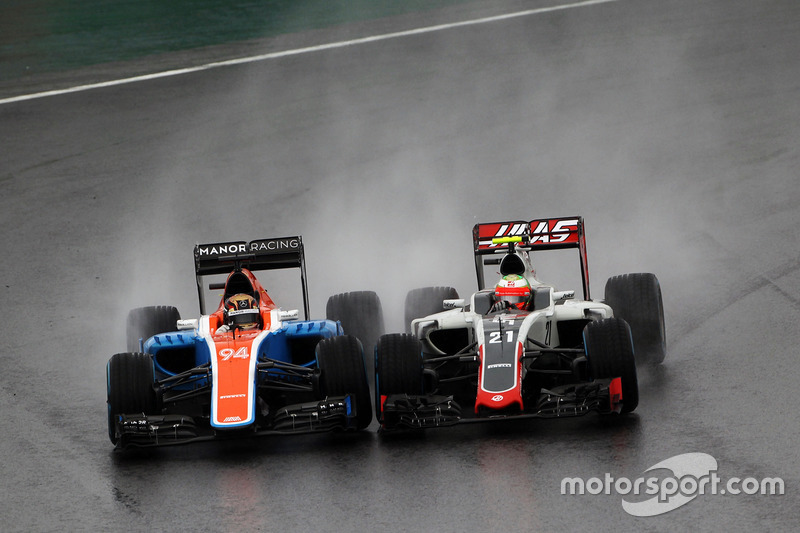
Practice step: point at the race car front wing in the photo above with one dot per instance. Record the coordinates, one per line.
(330, 414)
(404, 411)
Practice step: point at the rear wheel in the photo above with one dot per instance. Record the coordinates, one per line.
(361, 315)
(130, 390)
(426, 301)
(636, 298)
(144, 322)
(398, 367)
(342, 371)
(609, 352)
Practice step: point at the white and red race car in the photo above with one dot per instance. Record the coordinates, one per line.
(547, 355)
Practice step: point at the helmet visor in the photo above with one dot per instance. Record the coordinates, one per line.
(243, 317)
(515, 299)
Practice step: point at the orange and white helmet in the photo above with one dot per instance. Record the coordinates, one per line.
(241, 311)
(515, 290)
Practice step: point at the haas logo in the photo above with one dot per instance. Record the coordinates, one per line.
(497, 398)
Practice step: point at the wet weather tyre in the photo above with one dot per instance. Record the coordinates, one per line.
(609, 351)
(144, 322)
(361, 315)
(398, 367)
(636, 298)
(426, 301)
(130, 387)
(342, 371)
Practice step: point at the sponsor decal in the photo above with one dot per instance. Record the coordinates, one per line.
(511, 230)
(232, 419)
(263, 246)
(219, 249)
(548, 233)
(497, 398)
(232, 396)
(275, 245)
(499, 365)
(504, 229)
(540, 231)
(248, 311)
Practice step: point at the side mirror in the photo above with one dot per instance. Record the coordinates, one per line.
(292, 314)
(559, 296)
(454, 303)
(189, 323)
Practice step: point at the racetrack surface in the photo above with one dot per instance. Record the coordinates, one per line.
(670, 126)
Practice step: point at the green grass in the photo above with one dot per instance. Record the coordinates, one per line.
(50, 35)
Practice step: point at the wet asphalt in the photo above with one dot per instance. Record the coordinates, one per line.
(670, 127)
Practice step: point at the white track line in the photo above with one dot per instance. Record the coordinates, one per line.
(307, 50)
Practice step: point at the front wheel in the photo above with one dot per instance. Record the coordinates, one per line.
(609, 351)
(144, 322)
(130, 388)
(361, 315)
(426, 301)
(636, 298)
(398, 368)
(342, 371)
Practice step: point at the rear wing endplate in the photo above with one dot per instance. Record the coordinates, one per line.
(262, 254)
(538, 234)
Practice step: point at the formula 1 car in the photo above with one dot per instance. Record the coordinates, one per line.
(247, 368)
(522, 349)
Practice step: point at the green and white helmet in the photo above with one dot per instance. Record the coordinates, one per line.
(515, 290)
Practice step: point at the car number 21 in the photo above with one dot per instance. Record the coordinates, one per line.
(496, 337)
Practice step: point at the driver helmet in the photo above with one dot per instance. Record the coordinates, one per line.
(241, 311)
(515, 290)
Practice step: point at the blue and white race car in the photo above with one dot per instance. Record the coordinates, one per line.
(246, 368)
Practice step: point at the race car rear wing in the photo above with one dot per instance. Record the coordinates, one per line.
(263, 254)
(538, 234)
